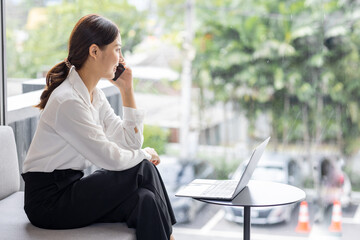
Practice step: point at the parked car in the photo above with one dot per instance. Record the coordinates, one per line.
(177, 173)
(275, 167)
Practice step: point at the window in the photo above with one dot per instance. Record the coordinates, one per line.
(238, 71)
(2, 67)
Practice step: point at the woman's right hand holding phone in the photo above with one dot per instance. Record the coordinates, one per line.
(125, 85)
(125, 80)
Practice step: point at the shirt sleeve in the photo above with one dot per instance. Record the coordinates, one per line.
(122, 132)
(74, 122)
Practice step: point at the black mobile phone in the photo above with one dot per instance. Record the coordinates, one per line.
(119, 70)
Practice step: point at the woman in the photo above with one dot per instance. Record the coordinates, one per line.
(78, 128)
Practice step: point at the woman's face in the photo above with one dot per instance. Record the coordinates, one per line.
(111, 56)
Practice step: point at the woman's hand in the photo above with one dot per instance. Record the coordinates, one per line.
(125, 81)
(155, 159)
(125, 85)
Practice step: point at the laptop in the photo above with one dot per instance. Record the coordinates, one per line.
(223, 189)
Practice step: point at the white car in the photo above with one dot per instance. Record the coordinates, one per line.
(274, 167)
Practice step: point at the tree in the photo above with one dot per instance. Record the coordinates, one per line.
(47, 37)
(297, 60)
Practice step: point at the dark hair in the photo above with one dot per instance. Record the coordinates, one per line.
(90, 29)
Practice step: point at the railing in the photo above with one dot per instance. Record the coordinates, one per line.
(162, 110)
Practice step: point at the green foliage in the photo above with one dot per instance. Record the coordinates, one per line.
(155, 137)
(284, 52)
(47, 39)
(298, 60)
(223, 168)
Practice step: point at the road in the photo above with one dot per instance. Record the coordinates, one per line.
(210, 224)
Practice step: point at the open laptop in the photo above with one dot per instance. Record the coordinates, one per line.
(223, 189)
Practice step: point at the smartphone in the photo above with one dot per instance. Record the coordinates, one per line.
(119, 70)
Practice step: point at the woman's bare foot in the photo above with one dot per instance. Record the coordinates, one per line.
(172, 237)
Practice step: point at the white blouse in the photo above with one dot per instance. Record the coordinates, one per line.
(74, 132)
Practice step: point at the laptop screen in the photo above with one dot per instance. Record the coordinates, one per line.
(250, 167)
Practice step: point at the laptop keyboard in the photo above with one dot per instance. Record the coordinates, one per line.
(223, 189)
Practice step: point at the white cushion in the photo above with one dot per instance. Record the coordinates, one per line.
(9, 168)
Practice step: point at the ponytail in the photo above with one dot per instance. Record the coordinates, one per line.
(54, 78)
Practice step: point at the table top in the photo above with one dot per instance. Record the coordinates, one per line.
(263, 194)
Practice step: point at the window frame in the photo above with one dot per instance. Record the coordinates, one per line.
(3, 96)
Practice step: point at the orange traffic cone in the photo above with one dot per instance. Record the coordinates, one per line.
(303, 223)
(336, 218)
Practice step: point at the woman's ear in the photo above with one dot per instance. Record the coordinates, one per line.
(94, 51)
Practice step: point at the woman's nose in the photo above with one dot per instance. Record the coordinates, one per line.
(121, 58)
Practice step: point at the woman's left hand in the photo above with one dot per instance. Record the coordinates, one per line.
(155, 159)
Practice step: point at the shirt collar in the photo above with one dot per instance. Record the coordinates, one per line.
(79, 85)
(97, 98)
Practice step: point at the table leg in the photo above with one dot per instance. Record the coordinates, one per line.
(247, 223)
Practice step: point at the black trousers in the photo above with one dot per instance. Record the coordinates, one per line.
(64, 199)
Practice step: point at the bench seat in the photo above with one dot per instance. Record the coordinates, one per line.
(14, 224)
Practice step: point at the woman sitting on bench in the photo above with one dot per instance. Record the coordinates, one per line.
(78, 128)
